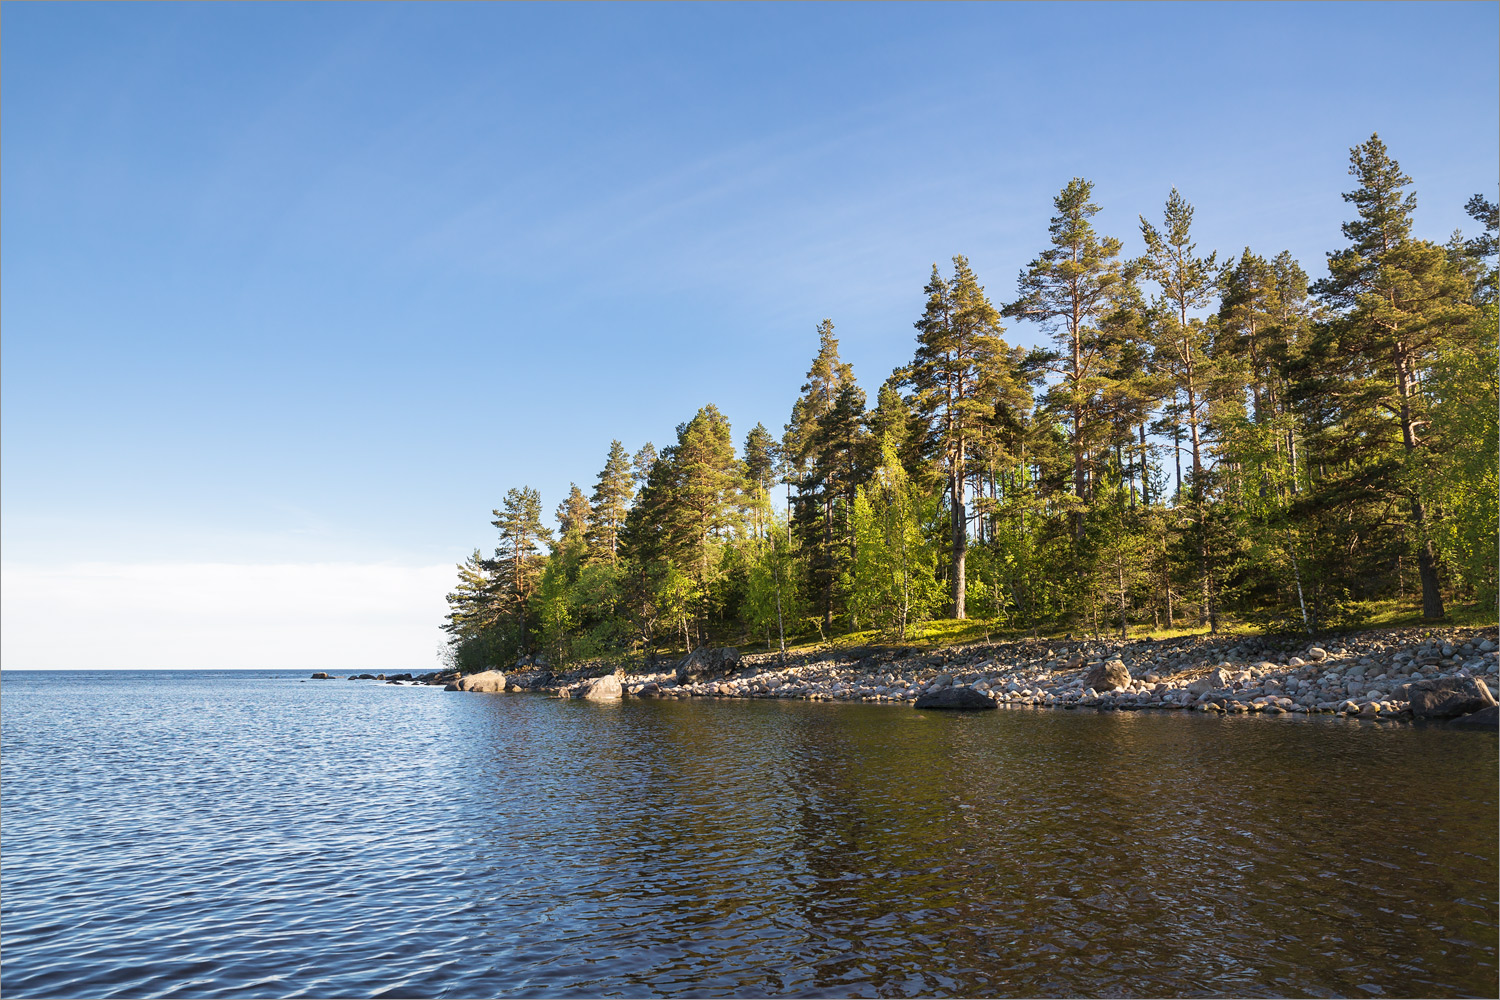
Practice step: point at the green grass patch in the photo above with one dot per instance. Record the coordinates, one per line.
(942, 632)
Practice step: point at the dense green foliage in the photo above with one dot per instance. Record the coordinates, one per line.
(1340, 444)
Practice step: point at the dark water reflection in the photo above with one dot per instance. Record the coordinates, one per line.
(253, 836)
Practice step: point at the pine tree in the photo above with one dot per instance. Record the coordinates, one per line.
(681, 517)
(518, 556)
(1069, 288)
(1402, 303)
(1187, 283)
(472, 606)
(961, 369)
(1485, 246)
(574, 515)
(761, 454)
(821, 449)
(895, 418)
(642, 464)
(610, 503)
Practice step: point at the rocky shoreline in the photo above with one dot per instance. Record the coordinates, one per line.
(1382, 674)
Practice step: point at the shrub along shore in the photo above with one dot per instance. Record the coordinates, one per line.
(1386, 674)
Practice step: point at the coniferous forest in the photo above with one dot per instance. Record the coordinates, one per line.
(1207, 442)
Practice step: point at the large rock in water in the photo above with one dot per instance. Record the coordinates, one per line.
(957, 698)
(1109, 676)
(1485, 718)
(606, 688)
(1448, 697)
(486, 681)
(707, 662)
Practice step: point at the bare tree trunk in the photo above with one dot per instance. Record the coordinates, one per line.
(1297, 575)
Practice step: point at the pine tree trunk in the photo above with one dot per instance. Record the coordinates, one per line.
(960, 544)
(1124, 619)
(1145, 470)
(827, 560)
(1432, 595)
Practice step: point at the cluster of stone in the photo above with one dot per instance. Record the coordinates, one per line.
(1373, 674)
(1393, 673)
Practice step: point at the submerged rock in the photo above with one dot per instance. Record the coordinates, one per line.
(1485, 718)
(958, 698)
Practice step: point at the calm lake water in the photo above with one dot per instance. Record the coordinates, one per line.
(252, 834)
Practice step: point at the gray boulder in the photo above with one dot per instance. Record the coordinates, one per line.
(957, 698)
(1448, 697)
(527, 680)
(321, 676)
(707, 662)
(1218, 680)
(1485, 718)
(1109, 676)
(606, 688)
(486, 682)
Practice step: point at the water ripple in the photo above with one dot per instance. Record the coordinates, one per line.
(213, 835)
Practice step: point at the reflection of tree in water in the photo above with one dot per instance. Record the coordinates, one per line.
(787, 848)
(882, 848)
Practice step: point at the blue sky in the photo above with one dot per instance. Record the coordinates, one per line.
(312, 286)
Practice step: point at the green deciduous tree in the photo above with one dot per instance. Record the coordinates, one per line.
(893, 582)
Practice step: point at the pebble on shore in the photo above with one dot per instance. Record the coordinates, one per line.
(1366, 674)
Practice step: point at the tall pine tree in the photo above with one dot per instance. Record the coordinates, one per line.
(610, 503)
(960, 370)
(1402, 302)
